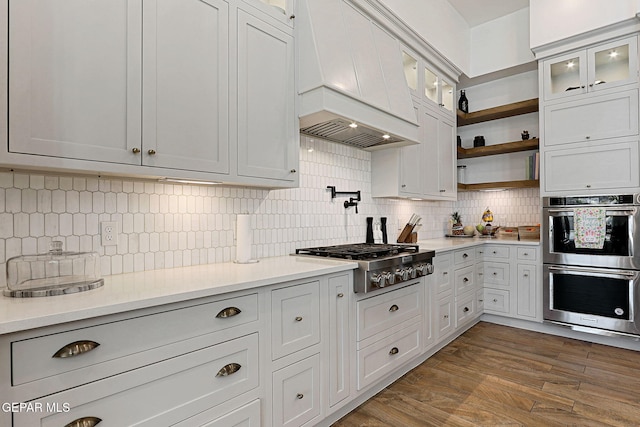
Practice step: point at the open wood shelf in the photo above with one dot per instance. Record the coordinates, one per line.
(529, 183)
(501, 112)
(507, 147)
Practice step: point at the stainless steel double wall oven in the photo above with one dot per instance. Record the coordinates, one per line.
(592, 289)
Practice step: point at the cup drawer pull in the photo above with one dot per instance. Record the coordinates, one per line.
(84, 422)
(228, 312)
(75, 349)
(394, 308)
(394, 350)
(229, 369)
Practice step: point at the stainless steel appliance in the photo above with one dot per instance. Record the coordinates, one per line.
(380, 265)
(592, 289)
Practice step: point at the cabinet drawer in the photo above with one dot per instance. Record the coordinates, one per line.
(246, 416)
(527, 254)
(496, 274)
(388, 354)
(496, 300)
(465, 308)
(159, 394)
(496, 252)
(382, 312)
(296, 393)
(442, 271)
(295, 314)
(464, 256)
(465, 279)
(121, 344)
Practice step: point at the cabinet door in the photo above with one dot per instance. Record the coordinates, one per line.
(613, 64)
(442, 272)
(74, 79)
(281, 10)
(430, 157)
(340, 290)
(527, 291)
(410, 168)
(445, 316)
(601, 117)
(592, 168)
(565, 75)
(295, 318)
(296, 393)
(186, 80)
(266, 122)
(447, 160)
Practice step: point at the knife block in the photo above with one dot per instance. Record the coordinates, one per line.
(406, 233)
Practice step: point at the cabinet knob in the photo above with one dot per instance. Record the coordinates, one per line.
(403, 185)
(444, 273)
(293, 171)
(526, 254)
(299, 396)
(465, 280)
(84, 422)
(443, 191)
(151, 152)
(588, 185)
(446, 316)
(587, 137)
(591, 85)
(135, 150)
(525, 275)
(495, 300)
(465, 255)
(298, 318)
(340, 295)
(292, 16)
(394, 350)
(495, 274)
(480, 300)
(466, 309)
(582, 87)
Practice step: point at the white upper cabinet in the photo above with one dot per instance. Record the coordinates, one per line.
(192, 89)
(426, 83)
(267, 124)
(75, 79)
(185, 85)
(598, 68)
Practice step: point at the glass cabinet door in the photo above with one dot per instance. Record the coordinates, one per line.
(613, 64)
(565, 75)
(410, 66)
(431, 86)
(447, 96)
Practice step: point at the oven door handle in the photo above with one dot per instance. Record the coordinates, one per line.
(626, 273)
(625, 211)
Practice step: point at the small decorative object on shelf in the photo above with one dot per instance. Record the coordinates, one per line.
(478, 141)
(459, 140)
(525, 135)
(463, 102)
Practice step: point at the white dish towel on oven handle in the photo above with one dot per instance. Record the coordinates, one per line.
(590, 226)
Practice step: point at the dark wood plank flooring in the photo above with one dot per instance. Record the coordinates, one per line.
(495, 375)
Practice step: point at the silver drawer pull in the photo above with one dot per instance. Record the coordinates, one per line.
(480, 300)
(446, 316)
(229, 369)
(495, 300)
(393, 351)
(394, 308)
(466, 309)
(299, 396)
(75, 349)
(465, 280)
(526, 254)
(495, 274)
(465, 256)
(340, 295)
(444, 273)
(84, 422)
(228, 312)
(299, 319)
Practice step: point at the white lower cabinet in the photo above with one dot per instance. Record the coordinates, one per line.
(296, 393)
(245, 416)
(444, 313)
(496, 301)
(340, 348)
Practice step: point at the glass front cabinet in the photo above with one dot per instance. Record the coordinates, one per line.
(605, 66)
(426, 83)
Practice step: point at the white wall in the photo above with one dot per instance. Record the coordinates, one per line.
(439, 24)
(554, 20)
(500, 44)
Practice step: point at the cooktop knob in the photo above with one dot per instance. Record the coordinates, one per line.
(390, 278)
(377, 280)
(412, 272)
(402, 274)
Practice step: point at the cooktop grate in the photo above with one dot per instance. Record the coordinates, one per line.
(359, 251)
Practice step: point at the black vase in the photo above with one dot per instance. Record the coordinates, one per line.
(463, 102)
(369, 230)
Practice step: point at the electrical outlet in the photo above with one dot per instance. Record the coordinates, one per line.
(109, 233)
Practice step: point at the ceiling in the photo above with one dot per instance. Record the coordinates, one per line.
(477, 12)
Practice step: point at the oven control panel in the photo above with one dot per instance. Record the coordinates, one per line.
(401, 274)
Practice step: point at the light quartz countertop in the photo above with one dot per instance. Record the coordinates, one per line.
(131, 291)
(444, 244)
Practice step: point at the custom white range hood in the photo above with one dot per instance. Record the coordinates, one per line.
(350, 74)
